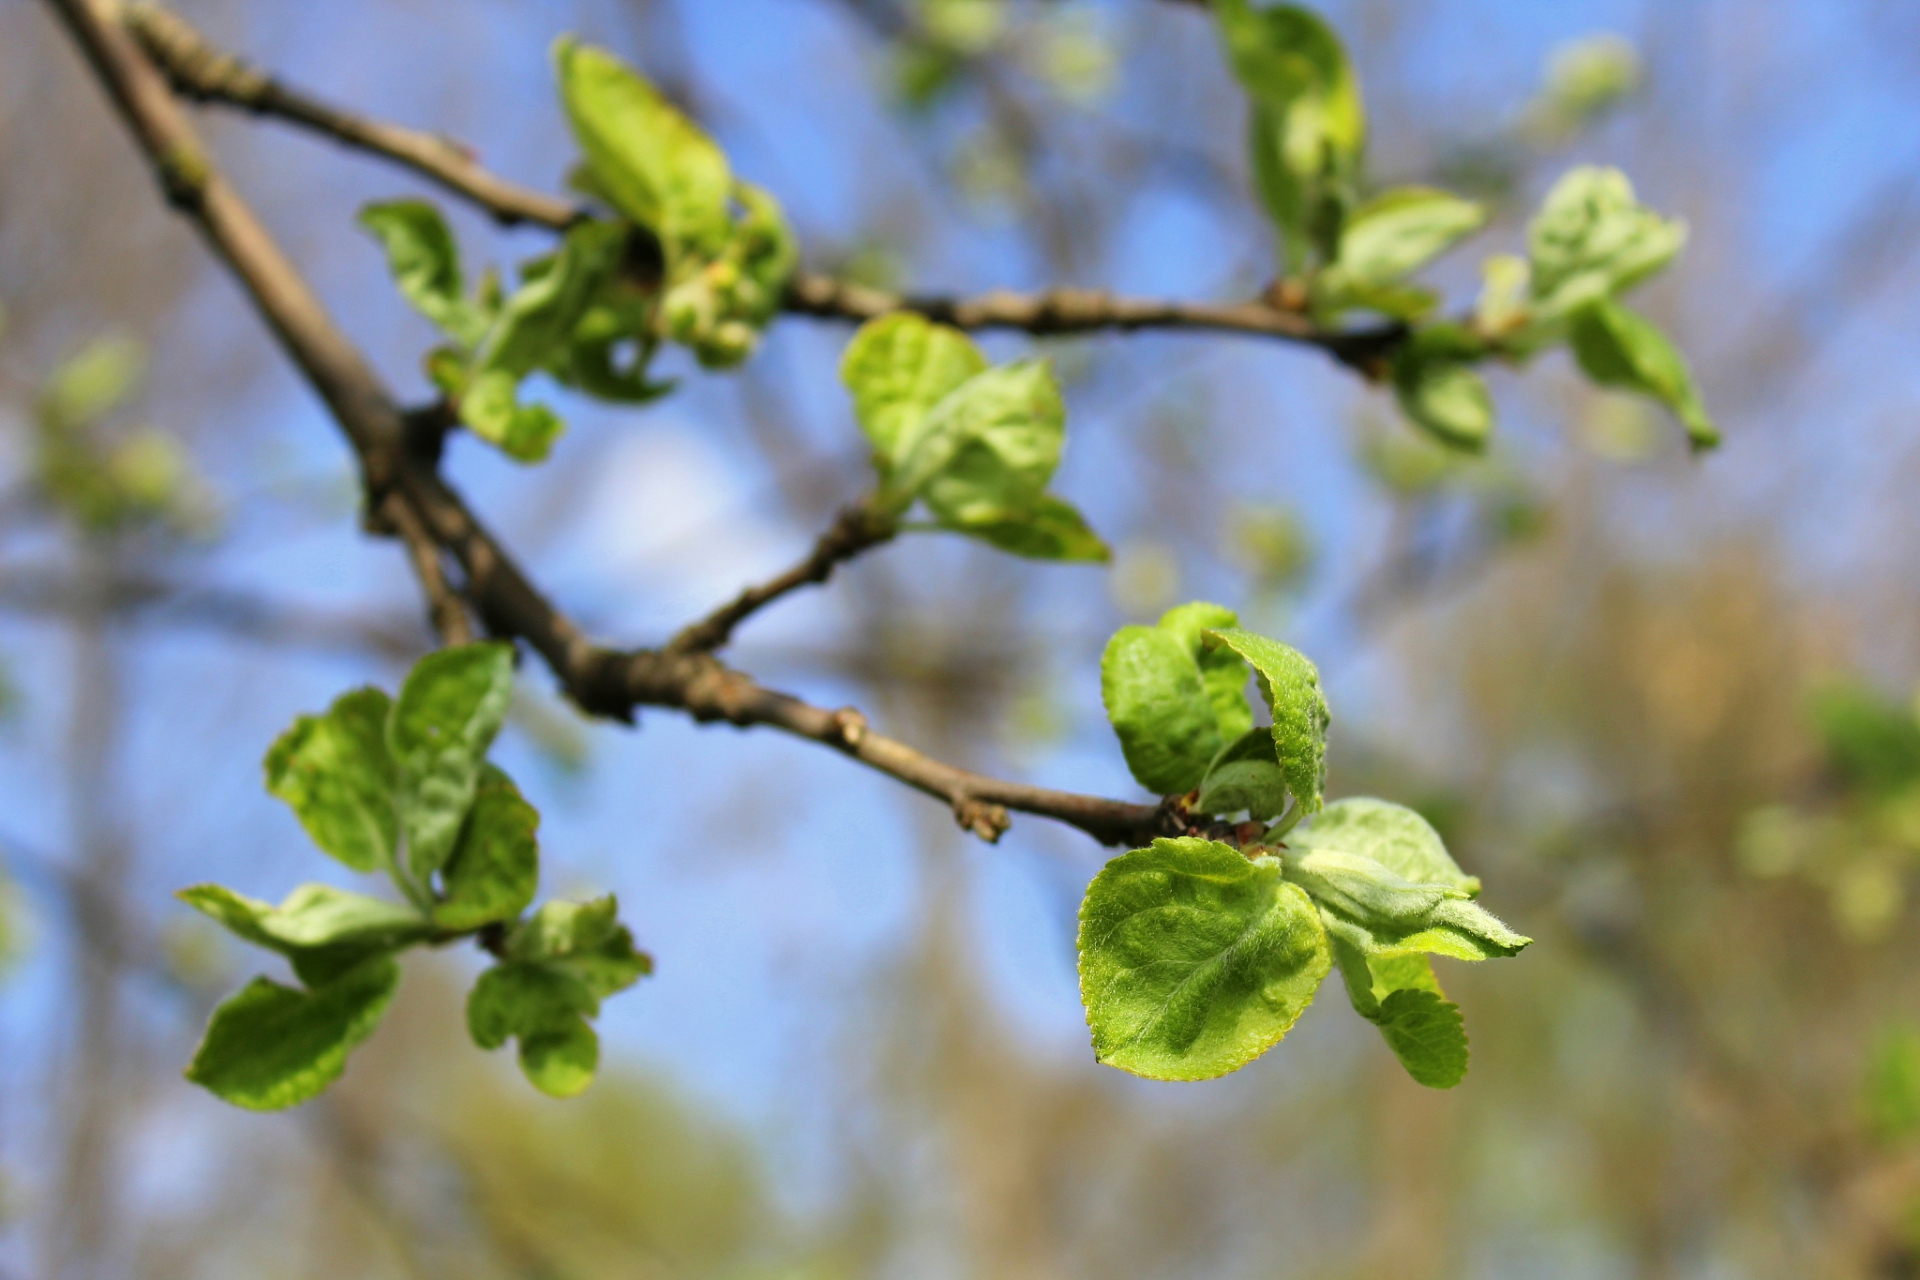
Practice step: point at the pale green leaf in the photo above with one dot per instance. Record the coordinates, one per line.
(898, 367)
(1287, 56)
(1245, 775)
(425, 263)
(988, 446)
(1291, 685)
(1050, 530)
(1221, 669)
(1438, 390)
(1307, 125)
(584, 940)
(649, 161)
(335, 773)
(311, 917)
(1621, 348)
(269, 1047)
(1593, 239)
(92, 384)
(539, 318)
(1399, 231)
(490, 408)
(1194, 960)
(496, 864)
(560, 1060)
(1370, 908)
(449, 709)
(1393, 835)
(1157, 702)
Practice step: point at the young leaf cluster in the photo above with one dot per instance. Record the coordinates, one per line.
(1344, 249)
(975, 444)
(1197, 956)
(109, 482)
(689, 254)
(402, 787)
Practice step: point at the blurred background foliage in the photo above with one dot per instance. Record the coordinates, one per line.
(1668, 707)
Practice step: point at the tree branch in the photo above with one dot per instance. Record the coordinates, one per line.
(601, 681)
(200, 70)
(853, 531)
(445, 610)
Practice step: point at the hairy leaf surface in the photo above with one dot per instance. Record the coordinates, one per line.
(1195, 960)
(1291, 685)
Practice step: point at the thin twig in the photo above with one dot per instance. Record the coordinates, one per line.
(853, 531)
(201, 70)
(601, 681)
(1060, 311)
(445, 610)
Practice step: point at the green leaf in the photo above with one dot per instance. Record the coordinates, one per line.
(313, 916)
(496, 865)
(988, 447)
(1593, 239)
(561, 963)
(560, 1061)
(425, 264)
(1427, 1034)
(1291, 685)
(1368, 907)
(1401, 996)
(1399, 231)
(513, 999)
(449, 710)
(92, 384)
(1194, 960)
(1620, 348)
(1051, 530)
(649, 161)
(1245, 775)
(1158, 705)
(584, 940)
(1393, 835)
(335, 773)
(1893, 1084)
(1221, 670)
(490, 408)
(269, 1047)
(1307, 124)
(1438, 390)
(539, 318)
(898, 367)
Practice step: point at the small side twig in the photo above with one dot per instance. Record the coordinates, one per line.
(446, 611)
(853, 531)
(202, 71)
